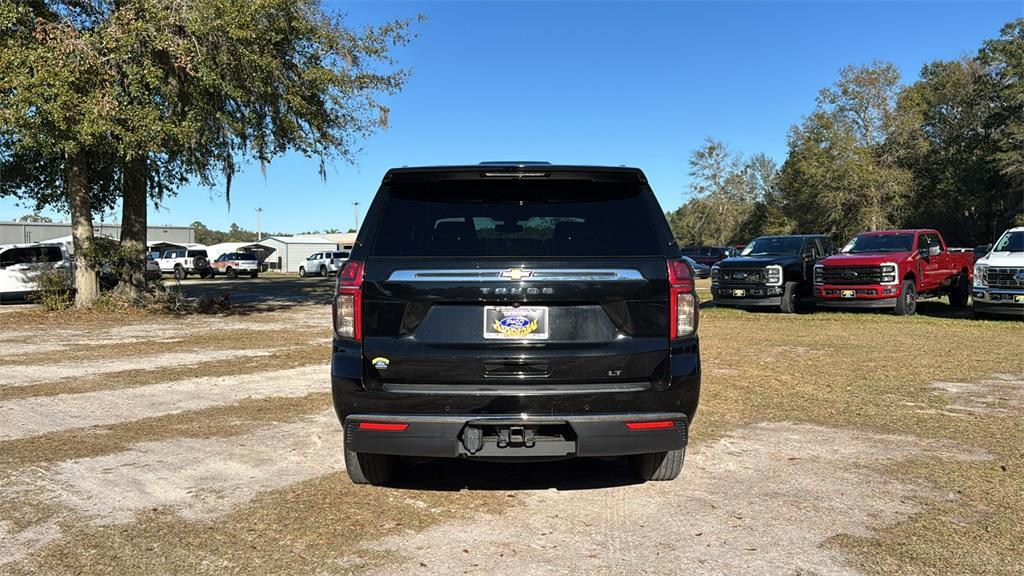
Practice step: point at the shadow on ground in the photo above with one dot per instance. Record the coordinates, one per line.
(453, 475)
(246, 296)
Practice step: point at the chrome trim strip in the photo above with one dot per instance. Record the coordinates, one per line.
(516, 389)
(526, 275)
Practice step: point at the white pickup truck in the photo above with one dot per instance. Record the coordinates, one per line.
(999, 277)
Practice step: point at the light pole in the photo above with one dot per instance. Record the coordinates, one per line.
(356, 206)
(259, 233)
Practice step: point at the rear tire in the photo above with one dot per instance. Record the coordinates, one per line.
(660, 466)
(323, 271)
(254, 275)
(790, 298)
(961, 291)
(906, 304)
(302, 272)
(230, 273)
(375, 469)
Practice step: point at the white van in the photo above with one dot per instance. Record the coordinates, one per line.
(21, 263)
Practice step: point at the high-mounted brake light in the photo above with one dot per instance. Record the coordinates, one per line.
(383, 426)
(682, 301)
(348, 302)
(655, 425)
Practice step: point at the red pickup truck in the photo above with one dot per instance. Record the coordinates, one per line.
(894, 269)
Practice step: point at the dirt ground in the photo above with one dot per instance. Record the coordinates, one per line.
(826, 443)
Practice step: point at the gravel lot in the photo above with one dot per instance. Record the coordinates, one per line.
(826, 444)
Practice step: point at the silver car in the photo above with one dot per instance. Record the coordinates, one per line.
(323, 263)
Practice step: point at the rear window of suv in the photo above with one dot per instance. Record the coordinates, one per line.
(516, 219)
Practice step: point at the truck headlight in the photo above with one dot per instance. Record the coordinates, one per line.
(981, 275)
(714, 273)
(773, 275)
(819, 274)
(890, 273)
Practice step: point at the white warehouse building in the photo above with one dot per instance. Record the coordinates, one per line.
(292, 251)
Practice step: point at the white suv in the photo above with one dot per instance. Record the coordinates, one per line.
(184, 261)
(999, 277)
(323, 263)
(21, 263)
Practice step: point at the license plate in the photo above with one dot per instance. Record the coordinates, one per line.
(516, 322)
(1019, 299)
(739, 293)
(848, 293)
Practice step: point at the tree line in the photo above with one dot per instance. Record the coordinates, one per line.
(235, 233)
(945, 152)
(125, 101)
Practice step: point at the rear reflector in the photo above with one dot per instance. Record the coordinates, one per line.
(383, 426)
(655, 425)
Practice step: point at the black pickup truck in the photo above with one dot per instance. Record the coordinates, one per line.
(770, 271)
(486, 313)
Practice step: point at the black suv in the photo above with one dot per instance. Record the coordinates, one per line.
(770, 271)
(515, 312)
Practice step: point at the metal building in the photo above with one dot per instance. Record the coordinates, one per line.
(292, 251)
(29, 232)
(344, 241)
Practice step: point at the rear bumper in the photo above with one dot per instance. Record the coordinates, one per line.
(594, 413)
(436, 436)
(350, 398)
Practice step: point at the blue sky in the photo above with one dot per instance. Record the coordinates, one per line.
(598, 83)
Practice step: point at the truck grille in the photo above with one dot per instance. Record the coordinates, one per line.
(1004, 277)
(746, 276)
(851, 274)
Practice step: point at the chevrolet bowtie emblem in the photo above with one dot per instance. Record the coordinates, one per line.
(516, 274)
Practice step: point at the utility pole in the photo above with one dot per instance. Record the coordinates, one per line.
(356, 206)
(259, 232)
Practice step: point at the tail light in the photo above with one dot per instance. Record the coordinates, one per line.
(682, 301)
(348, 302)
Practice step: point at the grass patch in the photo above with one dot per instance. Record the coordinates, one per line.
(123, 379)
(871, 371)
(207, 344)
(313, 527)
(214, 422)
(867, 371)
